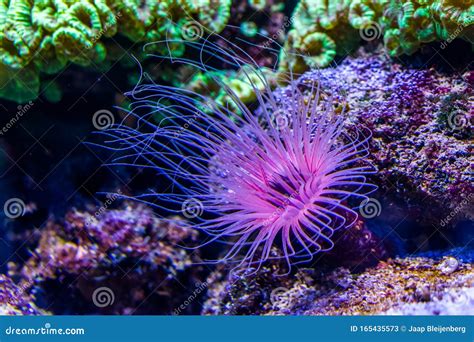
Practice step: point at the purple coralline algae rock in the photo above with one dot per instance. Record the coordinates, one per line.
(355, 248)
(123, 261)
(14, 300)
(398, 285)
(455, 302)
(421, 122)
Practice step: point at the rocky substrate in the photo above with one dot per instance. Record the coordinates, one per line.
(421, 123)
(413, 285)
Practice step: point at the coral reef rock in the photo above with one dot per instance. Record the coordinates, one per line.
(421, 122)
(14, 300)
(128, 255)
(412, 285)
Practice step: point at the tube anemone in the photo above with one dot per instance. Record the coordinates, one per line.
(287, 177)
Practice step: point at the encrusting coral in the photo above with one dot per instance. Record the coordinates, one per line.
(42, 36)
(323, 29)
(257, 26)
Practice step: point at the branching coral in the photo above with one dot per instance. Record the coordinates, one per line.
(42, 36)
(403, 24)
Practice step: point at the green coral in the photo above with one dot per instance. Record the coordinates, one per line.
(242, 83)
(317, 26)
(259, 5)
(249, 29)
(403, 24)
(409, 24)
(43, 36)
(311, 50)
(215, 84)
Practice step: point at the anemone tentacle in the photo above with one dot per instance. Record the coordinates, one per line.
(291, 184)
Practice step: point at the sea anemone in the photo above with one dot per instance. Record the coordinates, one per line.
(287, 175)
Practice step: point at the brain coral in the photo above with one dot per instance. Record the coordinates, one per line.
(321, 29)
(43, 36)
